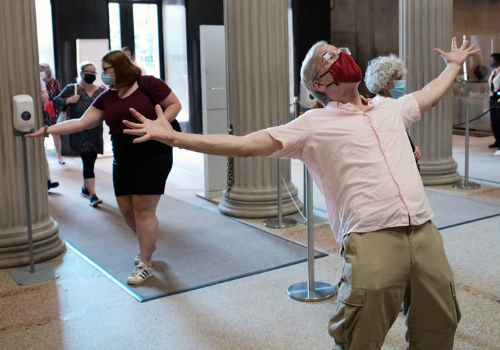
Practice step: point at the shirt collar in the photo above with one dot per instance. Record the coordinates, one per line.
(348, 106)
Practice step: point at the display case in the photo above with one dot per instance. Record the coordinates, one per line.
(476, 95)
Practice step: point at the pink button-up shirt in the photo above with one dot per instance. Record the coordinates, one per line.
(361, 161)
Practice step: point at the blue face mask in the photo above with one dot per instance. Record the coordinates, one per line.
(107, 79)
(492, 64)
(399, 89)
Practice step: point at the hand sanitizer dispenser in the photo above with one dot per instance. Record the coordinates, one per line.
(23, 113)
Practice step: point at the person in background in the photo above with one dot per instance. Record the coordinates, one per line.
(494, 82)
(131, 54)
(88, 143)
(385, 77)
(50, 114)
(357, 152)
(45, 101)
(139, 171)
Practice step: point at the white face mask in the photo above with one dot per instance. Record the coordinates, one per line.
(43, 75)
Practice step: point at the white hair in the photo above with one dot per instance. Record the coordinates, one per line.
(380, 71)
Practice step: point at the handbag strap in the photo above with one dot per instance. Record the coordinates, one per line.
(175, 123)
(75, 89)
(144, 91)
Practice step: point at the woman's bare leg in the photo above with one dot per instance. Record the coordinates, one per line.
(146, 224)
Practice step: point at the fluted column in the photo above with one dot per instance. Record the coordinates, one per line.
(425, 25)
(20, 75)
(258, 97)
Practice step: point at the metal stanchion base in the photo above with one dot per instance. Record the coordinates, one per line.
(470, 185)
(42, 273)
(275, 223)
(301, 292)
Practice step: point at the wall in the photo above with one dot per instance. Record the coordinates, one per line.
(369, 28)
(476, 17)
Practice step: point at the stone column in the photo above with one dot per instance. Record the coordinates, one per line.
(20, 75)
(425, 25)
(258, 97)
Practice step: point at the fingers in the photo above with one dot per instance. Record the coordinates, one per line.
(134, 131)
(132, 125)
(453, 43)
(470, 48)
(464, 45)
(142, 139)
(439, 52)
(159, 111)
(138, 115)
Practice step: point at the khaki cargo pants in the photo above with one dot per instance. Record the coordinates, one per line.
(381, 270)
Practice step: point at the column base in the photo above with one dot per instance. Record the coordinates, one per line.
(14, 251)
(258, 204)
(443, 172)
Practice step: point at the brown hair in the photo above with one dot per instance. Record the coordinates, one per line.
(126, 72)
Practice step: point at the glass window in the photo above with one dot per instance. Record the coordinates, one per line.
(146, 39)
(114, 26)
(174, 34)
(44, 31)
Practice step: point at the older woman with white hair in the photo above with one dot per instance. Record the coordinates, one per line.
(385, 77)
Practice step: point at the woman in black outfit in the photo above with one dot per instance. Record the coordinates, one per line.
(88, 143)
(140, 170)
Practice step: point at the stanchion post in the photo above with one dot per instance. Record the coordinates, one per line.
(310, 290)
(465, 184)
(280, 221)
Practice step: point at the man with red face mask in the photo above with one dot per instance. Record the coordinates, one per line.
(357, 152)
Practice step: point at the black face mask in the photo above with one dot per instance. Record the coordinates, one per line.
(89, 78)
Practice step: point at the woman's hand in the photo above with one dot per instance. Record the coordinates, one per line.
(159, 129)
(417, 153)
(45, 98)
(73, 99)
(38, 133)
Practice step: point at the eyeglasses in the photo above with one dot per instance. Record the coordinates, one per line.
(334, 55)
(89, 72)
(105, 69)
(329, 56)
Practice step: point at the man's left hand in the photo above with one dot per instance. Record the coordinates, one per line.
(458, 55)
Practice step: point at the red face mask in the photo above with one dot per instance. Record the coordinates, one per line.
(345, 70)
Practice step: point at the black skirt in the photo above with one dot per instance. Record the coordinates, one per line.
(140, 168)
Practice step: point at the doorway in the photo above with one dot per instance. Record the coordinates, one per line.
(138, 26)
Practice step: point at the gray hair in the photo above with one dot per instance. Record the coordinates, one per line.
(46, 68)
(85, 64)
(380, 71)
(309, 71)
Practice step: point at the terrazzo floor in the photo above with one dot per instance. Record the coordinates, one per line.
(83, 309)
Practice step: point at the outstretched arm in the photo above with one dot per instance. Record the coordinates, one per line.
(91, 118)
(259, 143)
(436, 89)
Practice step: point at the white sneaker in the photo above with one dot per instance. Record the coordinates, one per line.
(137, 258)
(497, 152)
(141, 273)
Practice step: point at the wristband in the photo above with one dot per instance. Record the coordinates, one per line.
(45, 130)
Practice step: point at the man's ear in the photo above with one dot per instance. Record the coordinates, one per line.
(317, 86)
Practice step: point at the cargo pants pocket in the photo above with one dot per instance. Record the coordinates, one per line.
(345, 325)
